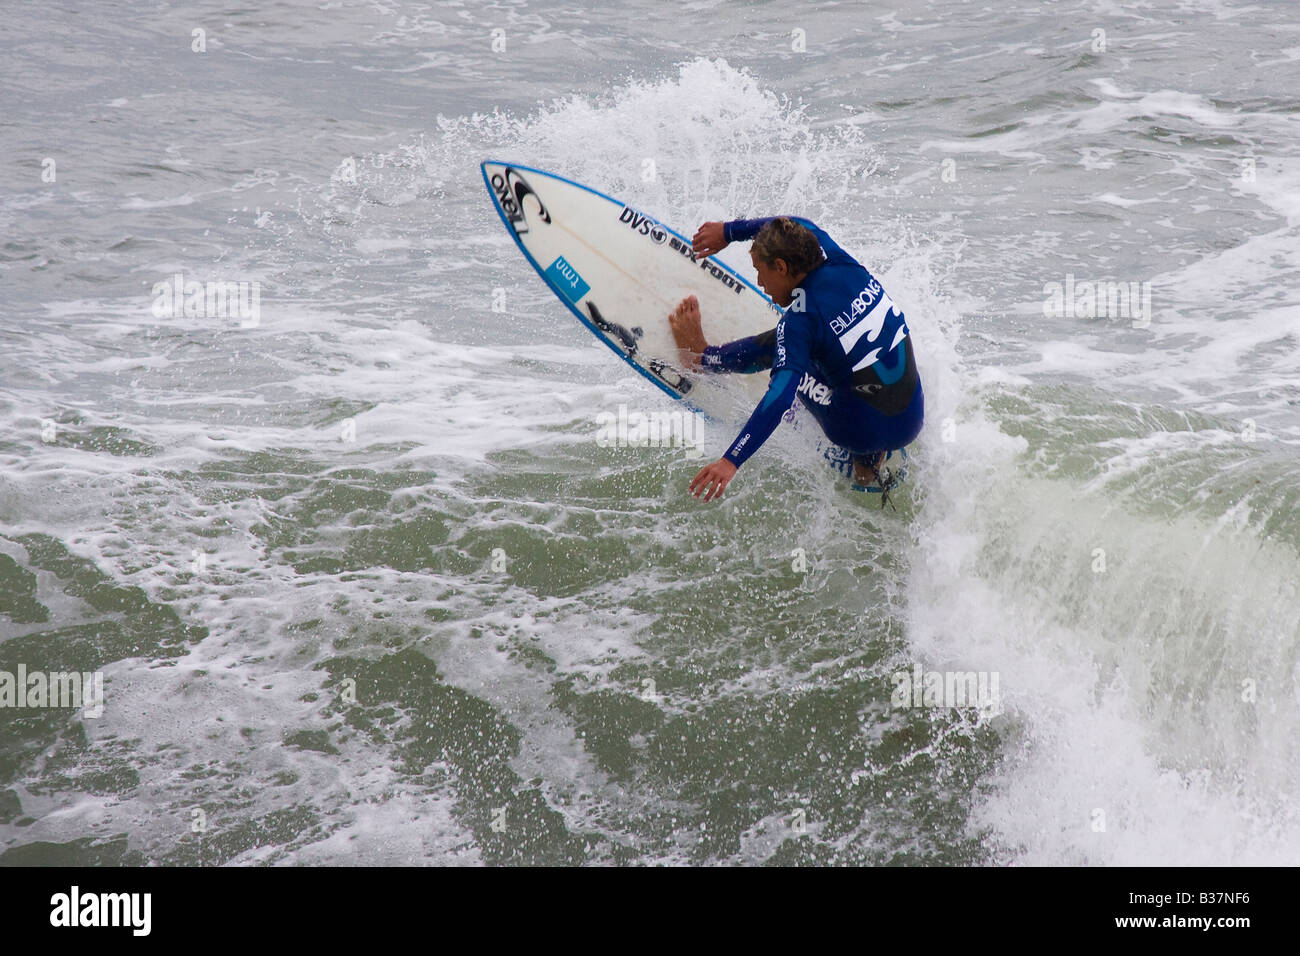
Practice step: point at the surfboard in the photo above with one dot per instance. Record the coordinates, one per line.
(621, 272)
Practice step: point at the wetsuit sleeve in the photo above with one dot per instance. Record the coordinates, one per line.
(742, 230)
(752, 354)
(793, 343)
(780, 396)
(793, 358)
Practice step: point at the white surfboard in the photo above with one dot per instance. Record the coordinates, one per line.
(621, 272)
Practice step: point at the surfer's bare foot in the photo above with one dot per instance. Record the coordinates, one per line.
(685, 323)
(862, 474)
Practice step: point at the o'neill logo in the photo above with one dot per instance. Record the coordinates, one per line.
(103, 909)
(815, 390)
(511, 188)
(643, 224)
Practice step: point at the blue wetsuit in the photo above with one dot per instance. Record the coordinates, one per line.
(846, 355)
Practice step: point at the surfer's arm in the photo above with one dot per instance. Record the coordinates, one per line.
(793, 344)
(780, 396)
(742, 230)
(747, 355)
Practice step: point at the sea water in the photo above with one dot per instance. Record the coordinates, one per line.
(361, 583)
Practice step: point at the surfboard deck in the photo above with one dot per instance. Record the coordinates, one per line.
(621, 272)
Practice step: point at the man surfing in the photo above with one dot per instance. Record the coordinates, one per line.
(841, 347)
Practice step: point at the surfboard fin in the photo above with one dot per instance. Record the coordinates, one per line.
(670, 376)
(628, 339)
(886, 482)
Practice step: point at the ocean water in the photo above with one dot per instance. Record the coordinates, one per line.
(363, 588)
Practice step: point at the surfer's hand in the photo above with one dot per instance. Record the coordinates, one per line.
(710, 238)
(685, 323)
(713, 479)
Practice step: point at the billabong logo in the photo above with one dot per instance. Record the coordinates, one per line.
(511, 188)
(815, 390)
(857, 308)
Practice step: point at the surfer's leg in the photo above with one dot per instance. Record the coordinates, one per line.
(866, 468)
(866, 432)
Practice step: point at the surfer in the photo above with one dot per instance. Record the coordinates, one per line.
(841, 347)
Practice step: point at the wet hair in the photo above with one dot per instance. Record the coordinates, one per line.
(783, 238)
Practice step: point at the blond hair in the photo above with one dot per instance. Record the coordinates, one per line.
(783, 238)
